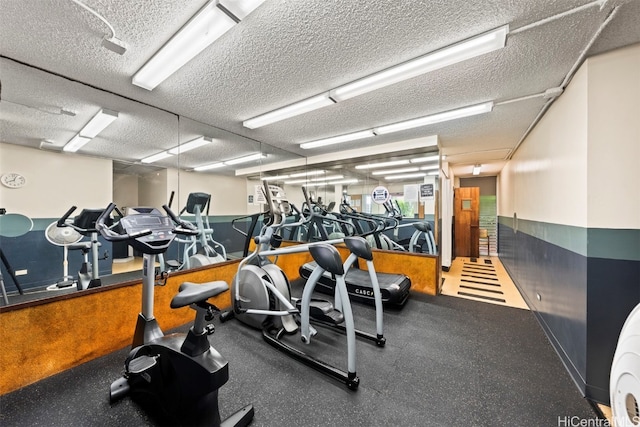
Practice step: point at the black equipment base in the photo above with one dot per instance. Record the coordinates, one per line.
(393, 287)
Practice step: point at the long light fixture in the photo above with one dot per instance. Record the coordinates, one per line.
(274, 178)
(383, 164)
(327, 178)
(75, 143)
(408, 124)
(436, 118)
(206, 26)
(476, 170)
(209, 167)
(402, 170)
(190, 145)
(156, 157)
(292, 110)
(337, 139)
(96, 125)
(344, 181)
(429, 168)
(245, 159)
(307, 173)
(405, 176)
(424, 159)
(466, 49)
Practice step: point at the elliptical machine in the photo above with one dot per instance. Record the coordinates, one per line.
(261, 294)
(175, 376)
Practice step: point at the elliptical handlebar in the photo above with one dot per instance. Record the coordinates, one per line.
(183, 227)
(62, 222)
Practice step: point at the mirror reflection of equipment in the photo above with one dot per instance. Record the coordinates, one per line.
(12, 225)
(65, 237)
(624, 382)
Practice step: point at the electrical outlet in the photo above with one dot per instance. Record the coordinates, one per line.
(21, 272)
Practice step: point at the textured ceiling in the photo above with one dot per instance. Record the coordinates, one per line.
(283, 52)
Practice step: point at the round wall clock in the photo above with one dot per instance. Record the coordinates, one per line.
(13, 180)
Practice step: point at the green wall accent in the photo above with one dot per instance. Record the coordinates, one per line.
(622, 244)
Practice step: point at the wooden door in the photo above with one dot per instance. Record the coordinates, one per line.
(467, 220)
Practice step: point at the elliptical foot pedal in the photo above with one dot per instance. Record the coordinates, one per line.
(141, 364)
(322, 311)
(119, 389)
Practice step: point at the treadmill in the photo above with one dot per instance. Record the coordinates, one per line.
(393, 287)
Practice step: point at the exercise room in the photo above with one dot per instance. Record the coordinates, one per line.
(315, 213)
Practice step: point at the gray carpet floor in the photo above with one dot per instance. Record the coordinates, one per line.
(447, 362)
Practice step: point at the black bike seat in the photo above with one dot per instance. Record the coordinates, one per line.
(190, 293)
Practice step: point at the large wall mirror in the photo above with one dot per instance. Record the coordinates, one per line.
(143, 158)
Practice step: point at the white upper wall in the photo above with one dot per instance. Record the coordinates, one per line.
(55, 181)
(546, 180)
(614, 139)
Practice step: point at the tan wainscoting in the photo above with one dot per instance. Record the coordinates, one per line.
(43, 338)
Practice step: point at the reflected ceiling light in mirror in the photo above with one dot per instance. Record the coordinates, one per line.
(274, 178)
(292, 110)
(209, 167)
(327, 178)
(428, 168)
(392, 171)
(98, 123)
(434, 173)
(406, 176)
(461, 51)
(425, 159)
(337, 139)
(194, 143)
(383, 164)
(307, 173)
(436, 118)
(156, 157)
(75, 144)
(315, 184)
(245, 159)
(344, 181)
(212, 21)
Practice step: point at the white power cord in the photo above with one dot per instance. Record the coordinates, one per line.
(112, 43)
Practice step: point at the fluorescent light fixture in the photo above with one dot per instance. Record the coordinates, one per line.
(338, 139)
(470, 48)
(292, 110)
(314, 184)
(327, 178)
(406, 176)
(273, 178)
(434, 173)
(383, 164)
(402, 170)
(194, 143)
(249, 158)
(476, 170)
(425, 159)
(75, 143)
(307, 173)
(97, 124)
(209, 167)
(199, 32)
(344, 181)
(436, 118)
(241, 8)
(428, 168)
(156, 157)
(296, 181)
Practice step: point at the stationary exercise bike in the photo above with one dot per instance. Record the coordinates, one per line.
(176, 376)
(85, 223)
